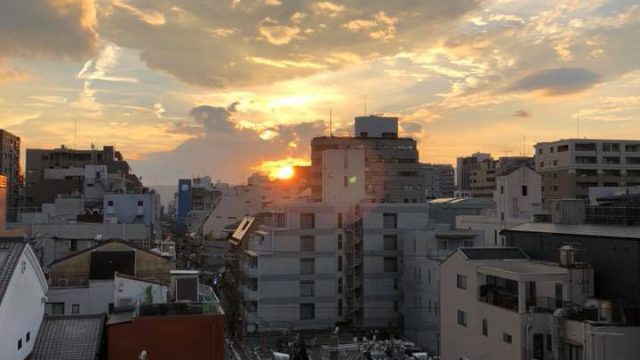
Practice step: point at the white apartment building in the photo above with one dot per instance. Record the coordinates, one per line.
(343, 175)
(498, 304)
(570, 167)
(293, 265)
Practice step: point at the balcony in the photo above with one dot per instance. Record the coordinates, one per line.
(507, 299)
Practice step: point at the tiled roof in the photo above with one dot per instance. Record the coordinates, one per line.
(69, 338)
(10, 251)
(494, 253)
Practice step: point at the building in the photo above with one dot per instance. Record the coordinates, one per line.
(166, 331)
(51, 172)
(484, 173)
(438, 180)
(569, 167)
(79, 337)
(375, 126)
(465, 167)
(85, 282)
(343, 175)
(10, 168)
(22, 297)
(498, 304)
(392, 169)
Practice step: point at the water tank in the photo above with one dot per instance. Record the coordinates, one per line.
(567, 256)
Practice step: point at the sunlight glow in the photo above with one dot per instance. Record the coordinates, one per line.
(282, 169)
(285, 173)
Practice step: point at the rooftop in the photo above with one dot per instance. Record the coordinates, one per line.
(69, 338)
(494, 253)
(522, 270)
(606, 231)
(10, 251)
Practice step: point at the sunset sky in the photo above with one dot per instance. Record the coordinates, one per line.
(223, 87)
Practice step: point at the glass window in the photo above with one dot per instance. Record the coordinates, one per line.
(390, 264)
(390, 242)
(307, 243)
(485, 327)
(339, 263)
(307, 288)
(461, 281)
(307, 311)
(462, 318)
(339, 241)
(506, 338)
(57, 308)
(75, 309)
(307, 221)
(307, 266)
(339, 220)
(390, 221)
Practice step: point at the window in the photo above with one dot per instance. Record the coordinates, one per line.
(339, 241)
(462, 318)
(19, 344)
(339, 285)
(390, 264)
(140, 203)
(28, 336)
(307, 288)
(346, 181)
(563, 148)
(485, 327)
(501, 189)
(390, 242)
(339, 220)
(461, 280)
(73, 245)
(307, 221)
(307, 311)
(442, 244)
(279, 220)
(75, 309)
(339, 263)
(506, 338)
(395, 284)
(340, 307)
(57, 308)
(525, 190)
(395, 305)
(110, 203)
(307, 266)
(390, 221)
(307, 243)
(468, 243)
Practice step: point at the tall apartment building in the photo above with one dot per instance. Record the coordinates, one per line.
(483, 175)
(43, 183)
(465, 167)
(10, 167)
(392, 170)
(570, 167)
(439, 180)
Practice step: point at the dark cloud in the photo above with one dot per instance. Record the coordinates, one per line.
(214, 118)
(60, 29)
(522, 114)
(558, 81)
(251, 43)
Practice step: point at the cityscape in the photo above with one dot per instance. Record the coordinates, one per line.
(319, 180)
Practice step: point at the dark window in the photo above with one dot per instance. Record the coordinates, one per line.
(307, 311)
(307, 288)
(19, 344)
(485, 327)
(339, 285)
(73, 245)
(307, 266)
(75, 309)
(307, 243)
(339, 241)
(395, 305)
(395, 284)
(339, 263)
(524, 190)
(461, 281)
(501, 189)
(390, 242)
(346, 181)
(390, 264)
(307, 221)
(339, 220)
(390, 221)
(462, 318)
(57, 308)
(105, 263)
(110, 203)
(28, 336)
(506, 338)
(339, 307)
(140, 203)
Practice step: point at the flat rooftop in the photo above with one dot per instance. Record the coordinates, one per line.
(522, 270)
(605, 231)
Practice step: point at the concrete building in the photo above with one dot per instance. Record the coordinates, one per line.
(484, 173)
(375, 126)
(465, 167)
(10, 168)
(569, 167)
(343, 176)
(50, 172)
(439, 180)
(22, 296)
(392, 169)
(498, 304)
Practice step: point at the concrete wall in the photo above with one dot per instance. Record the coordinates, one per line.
(22, 308)
(126, 208)
(93, 298)
(511, 201)
(343, 175)
(136, 291)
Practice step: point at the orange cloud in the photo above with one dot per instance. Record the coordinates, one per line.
(273, 168)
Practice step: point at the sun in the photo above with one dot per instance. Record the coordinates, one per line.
(285, 172)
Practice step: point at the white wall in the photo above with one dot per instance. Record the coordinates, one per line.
(510, 200)
(22, 308)
(343, 175)
(136, 290)
(92, 299)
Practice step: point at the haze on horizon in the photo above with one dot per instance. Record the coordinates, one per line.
(183, 87)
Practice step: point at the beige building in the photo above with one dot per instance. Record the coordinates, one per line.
(570, 167)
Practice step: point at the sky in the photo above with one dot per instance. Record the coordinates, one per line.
(228, 87)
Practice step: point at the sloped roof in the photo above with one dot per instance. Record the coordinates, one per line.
(69, 338)
(10, 251)
(103, 243)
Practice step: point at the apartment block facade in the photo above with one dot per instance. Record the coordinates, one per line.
(10, 168)
(439, 180)
(570, 167)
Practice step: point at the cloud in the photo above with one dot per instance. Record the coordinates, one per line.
(522, 114)
(328, 8)
(50, 28)
(215, 118)
(11, 74)
(411, 127)
(558, 81)
(277, 34)
(154, 18)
